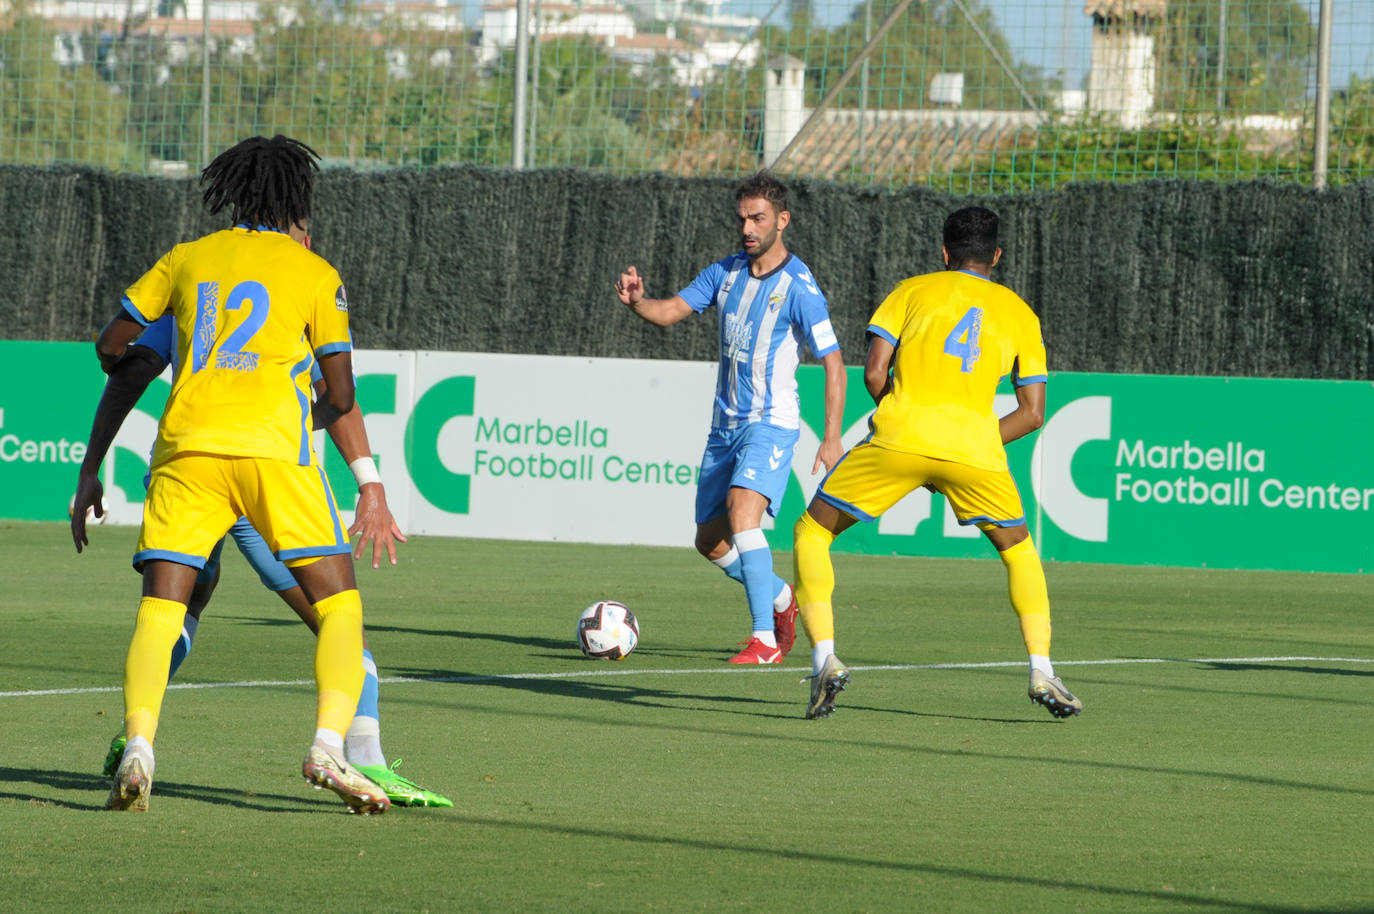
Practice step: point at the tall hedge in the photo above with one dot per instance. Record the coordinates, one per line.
(1173, 277)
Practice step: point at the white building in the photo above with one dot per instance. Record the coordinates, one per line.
(551, 18)
(876, 141)
(436, 16)
(1121, 80)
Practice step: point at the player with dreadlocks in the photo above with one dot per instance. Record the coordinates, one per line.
(373, 522)
(253, 311)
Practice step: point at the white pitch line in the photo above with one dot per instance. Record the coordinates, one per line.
(602, 672)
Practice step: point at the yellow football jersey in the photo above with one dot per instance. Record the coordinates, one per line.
(252, 310)
(957, 335)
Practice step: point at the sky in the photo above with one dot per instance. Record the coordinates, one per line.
(1054, 34)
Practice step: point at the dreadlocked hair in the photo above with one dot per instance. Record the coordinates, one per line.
(266, 182)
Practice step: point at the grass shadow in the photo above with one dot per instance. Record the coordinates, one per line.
(620, 692)
(1100, 894)
(98, 786)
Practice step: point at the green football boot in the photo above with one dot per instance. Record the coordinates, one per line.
(400, 790)
(113, 756)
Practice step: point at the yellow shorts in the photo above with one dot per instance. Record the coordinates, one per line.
(193, 500)
(871, 478)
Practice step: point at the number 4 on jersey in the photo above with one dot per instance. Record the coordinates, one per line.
(962, 342)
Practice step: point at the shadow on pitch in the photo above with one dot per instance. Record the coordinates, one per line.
(1095, 894)
(98, 787)
(548, 648)
(549, 644)
(1285, 668)
(907, 712)
(619, 692)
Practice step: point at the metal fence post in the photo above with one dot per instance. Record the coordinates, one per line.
(1323, 126)
(522, 75)
(204, 83)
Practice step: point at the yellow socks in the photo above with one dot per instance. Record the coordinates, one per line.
(1029, 595)
(145, 666)
(338, 660)
(814, 578)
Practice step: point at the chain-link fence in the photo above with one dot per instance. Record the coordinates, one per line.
(963, 95)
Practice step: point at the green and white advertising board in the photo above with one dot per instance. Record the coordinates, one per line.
(1186, 471)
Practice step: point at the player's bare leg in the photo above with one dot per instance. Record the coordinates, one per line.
(715, 540)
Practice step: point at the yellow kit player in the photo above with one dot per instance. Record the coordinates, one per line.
(939, 345)
(254, 309)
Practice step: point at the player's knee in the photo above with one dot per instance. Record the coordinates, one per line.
(809, 532)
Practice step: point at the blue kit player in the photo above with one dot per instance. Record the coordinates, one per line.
(769, 305)
(145, 359)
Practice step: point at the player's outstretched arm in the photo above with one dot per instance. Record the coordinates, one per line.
(130, 376)
(373, 521)
(661, 311)
(836, 381)
(1028, 415)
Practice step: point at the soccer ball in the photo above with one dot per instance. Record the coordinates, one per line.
(90, 512)
(607, 631)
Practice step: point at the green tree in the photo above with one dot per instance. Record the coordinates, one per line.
(55, 113)
(1269, 46)
(938, 36)
(1352, 132)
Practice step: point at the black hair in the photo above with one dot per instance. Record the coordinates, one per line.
(266, 182)
(971, 236)
(764, 185)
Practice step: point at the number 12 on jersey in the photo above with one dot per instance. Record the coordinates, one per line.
(962, 342)
(231, 353)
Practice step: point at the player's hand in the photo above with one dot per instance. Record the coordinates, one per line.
(89, 494)
(828, 455)
(373, 522)
(630, 287)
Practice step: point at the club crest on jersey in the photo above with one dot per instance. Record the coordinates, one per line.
(341, 300)
(774, 299)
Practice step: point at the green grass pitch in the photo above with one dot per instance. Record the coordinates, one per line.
(1224, 760)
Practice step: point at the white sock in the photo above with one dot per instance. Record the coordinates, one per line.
(728, 559)
(819, 651)
(363, 743)
(783, 599)
(767, 638)
(1041, 663)
(140, 745)
(329, 738)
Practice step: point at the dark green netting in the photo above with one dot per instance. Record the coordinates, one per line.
(1169, 277)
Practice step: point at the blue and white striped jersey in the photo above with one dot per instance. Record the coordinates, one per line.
(763, 321)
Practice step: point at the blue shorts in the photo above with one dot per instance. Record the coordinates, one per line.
(756, 457)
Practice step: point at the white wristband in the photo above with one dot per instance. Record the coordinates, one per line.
(364, 471)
